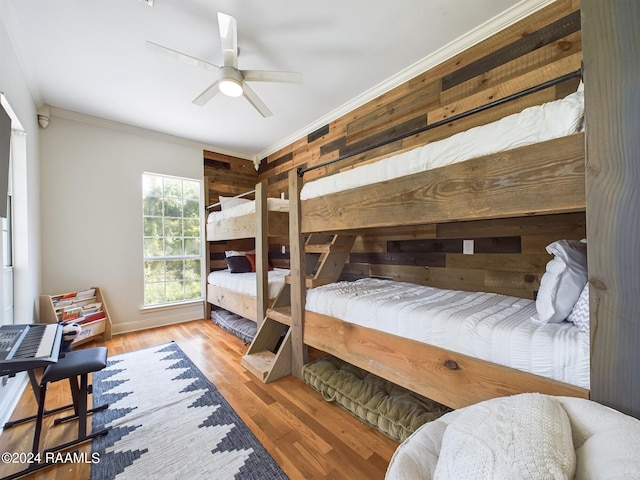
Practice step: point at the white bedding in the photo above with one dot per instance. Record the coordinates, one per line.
(488, 326)
(273, 205)
(246, 282)
(531, 125)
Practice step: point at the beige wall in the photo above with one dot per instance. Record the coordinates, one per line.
(92, 211)
(14, 85)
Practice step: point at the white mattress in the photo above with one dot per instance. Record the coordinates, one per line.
(488, 326)
(531, 125)
(246, 282)
(273, 205)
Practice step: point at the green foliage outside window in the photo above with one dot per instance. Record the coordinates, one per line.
(171, 240)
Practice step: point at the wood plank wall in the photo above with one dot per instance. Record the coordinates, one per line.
(510, 255)
(229, 176)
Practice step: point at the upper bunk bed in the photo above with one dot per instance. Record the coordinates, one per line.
(238, 218)
(530, 163)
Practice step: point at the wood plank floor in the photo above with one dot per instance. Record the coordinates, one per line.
(308, 437)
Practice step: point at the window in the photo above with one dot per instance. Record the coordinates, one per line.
(172, 241)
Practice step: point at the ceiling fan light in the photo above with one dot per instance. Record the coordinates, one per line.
(231, 87)
(230, 81)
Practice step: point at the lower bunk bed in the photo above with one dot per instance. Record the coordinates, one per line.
(236, 292)
(454, 347)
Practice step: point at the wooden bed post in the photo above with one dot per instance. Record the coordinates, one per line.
(207, 251)
(298, 269)
(262, 252)
(612, 100)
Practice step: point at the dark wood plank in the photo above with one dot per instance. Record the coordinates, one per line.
(528, 43)
(432, 259)
(319, 133)
(446, 245)
(612, 68)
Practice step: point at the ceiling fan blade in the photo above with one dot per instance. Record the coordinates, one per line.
(183, 57)
(268, 76)
(229, 39)
(254, 100)
(210, 92)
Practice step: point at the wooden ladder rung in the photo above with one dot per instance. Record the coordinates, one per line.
(318, 248)
(259, 363)
(319, 238)
(327, 248)
(311, 282)
(318, 282)
(287, 279)
(280, 314)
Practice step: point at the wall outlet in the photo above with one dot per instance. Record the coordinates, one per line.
(283, 249)
(467, 247)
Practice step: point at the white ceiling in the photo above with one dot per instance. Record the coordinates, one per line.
(89, 56)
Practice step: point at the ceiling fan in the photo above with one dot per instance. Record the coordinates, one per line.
(232, 81)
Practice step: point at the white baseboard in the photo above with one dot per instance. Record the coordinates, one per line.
(162, 316)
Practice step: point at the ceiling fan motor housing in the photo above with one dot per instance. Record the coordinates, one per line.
(231, 81)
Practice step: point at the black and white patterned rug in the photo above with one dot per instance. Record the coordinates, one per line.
(169, 422)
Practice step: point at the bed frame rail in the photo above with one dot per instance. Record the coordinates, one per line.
(533, 180)
(451, 378)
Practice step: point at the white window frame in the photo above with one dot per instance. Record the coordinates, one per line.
(153, 243)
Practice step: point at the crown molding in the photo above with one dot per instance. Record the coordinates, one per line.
(507, 18)
(130, 129)
(8, 19)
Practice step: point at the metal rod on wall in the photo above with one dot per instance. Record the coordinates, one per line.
(515, 96)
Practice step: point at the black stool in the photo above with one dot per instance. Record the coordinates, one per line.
(78, 363)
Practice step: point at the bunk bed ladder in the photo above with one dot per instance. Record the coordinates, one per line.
(269, 356)
(332, 252)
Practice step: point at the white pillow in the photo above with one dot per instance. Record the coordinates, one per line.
(562, 282)
(230, 202)
(579, 315)
(520, 437)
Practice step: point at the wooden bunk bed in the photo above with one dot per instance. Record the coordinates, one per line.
(259, 219)
(243, 300)
(542, 178)
(243, 220)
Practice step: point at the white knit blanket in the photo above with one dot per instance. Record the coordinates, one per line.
(520, 437)
(523, 436)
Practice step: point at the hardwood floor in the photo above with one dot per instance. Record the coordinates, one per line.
(308, 437)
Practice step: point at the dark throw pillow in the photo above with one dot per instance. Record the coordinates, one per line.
(239, 264)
